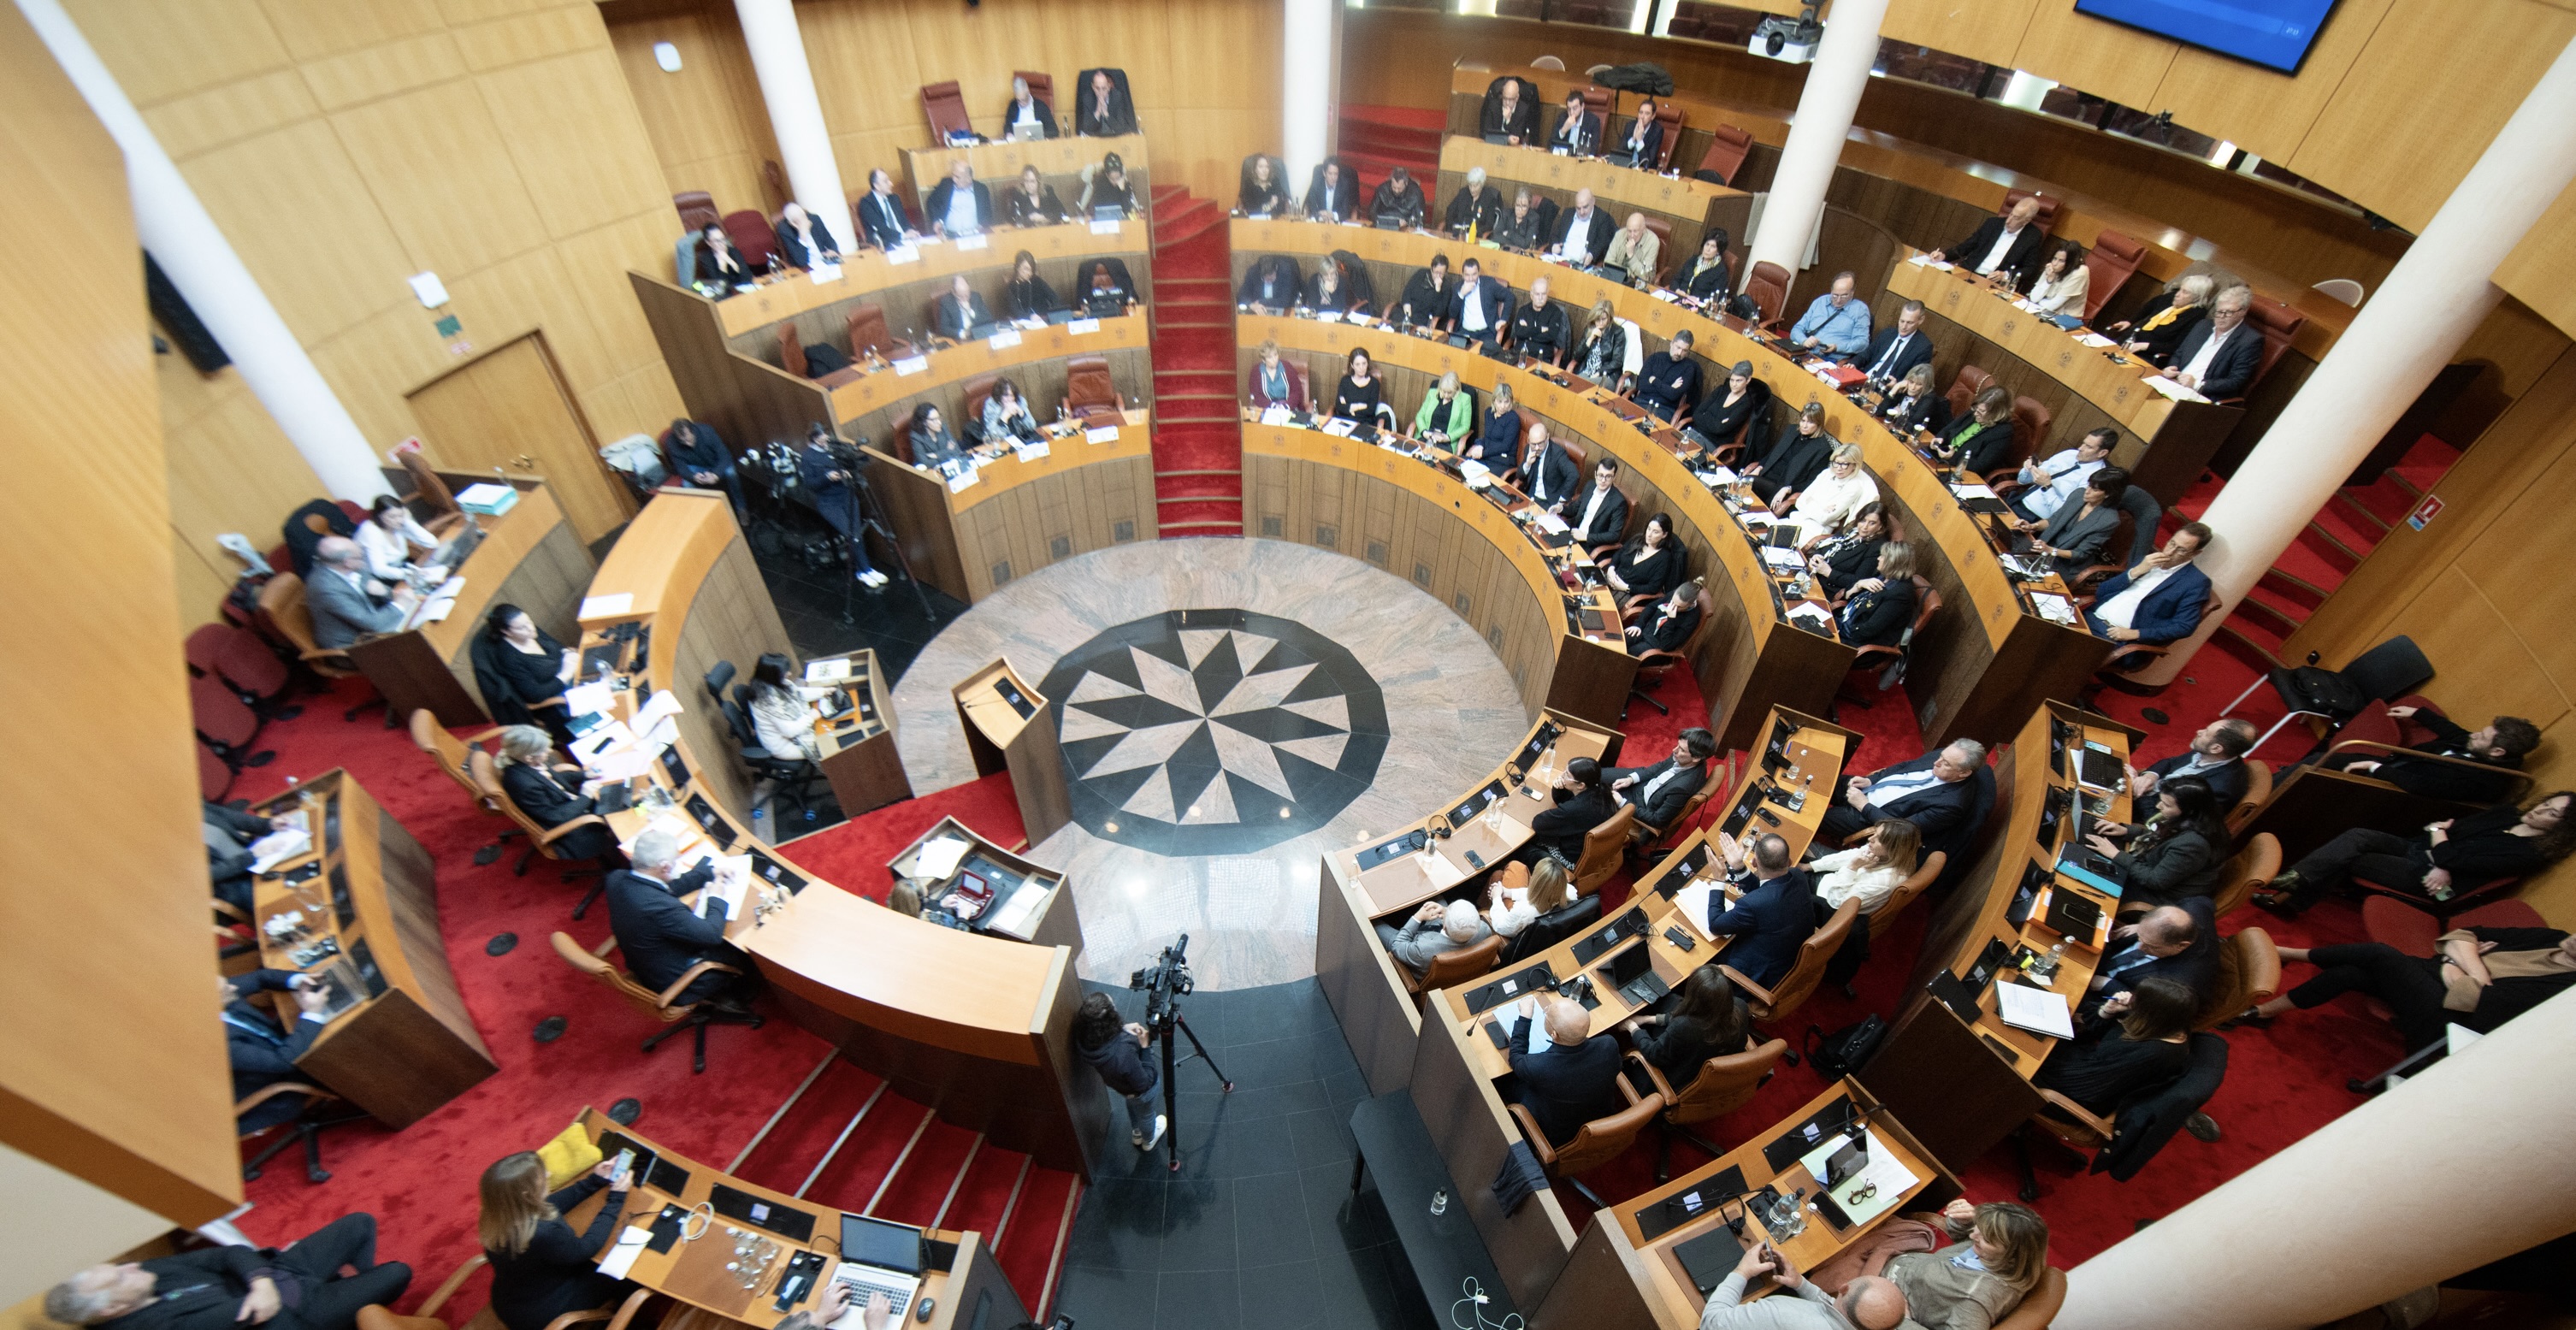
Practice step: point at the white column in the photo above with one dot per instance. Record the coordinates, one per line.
(796, 113)
(2431, 302)
(1835, 81)
(2472, 1161)
(183, 238)
(1307, 56)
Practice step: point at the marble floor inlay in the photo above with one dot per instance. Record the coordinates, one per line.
(1201, 688)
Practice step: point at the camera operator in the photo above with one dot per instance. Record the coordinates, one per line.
(828, 467)
(1117, 1052)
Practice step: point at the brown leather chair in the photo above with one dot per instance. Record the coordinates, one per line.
(665, 1006)
(697, 209)
(377, 1317)
(1720, 776)
(1451, 968)
(1598, 100)
(1771, 1004)
(2258, 786)
(283, 615)
(1965, 387)
(444, 515)
(1605, 848)
(1662, 228)
(1668, 113)
(1041, 86)
(1723, 1084)
(450, 753)
(1088, 389)
(2047, 218)
(1652, 665)
(2086, 581)
(305, 1128)
(2030, 420)
(2038, 1307)
(750, 233)
(1873, 659)
(2108, 265)
(541, 840)
(2250, 870)
(1768, 285)
(2249, 973)
(1924, 875)
(867, 328)
(2131, 659)
(2279, 324)
(944, 105)
(1728, 146)
(1600, 1141)
(791, 351)
(978, 390)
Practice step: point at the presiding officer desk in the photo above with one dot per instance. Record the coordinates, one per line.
(978, 1026)
(1974, 667)
(719, 1259)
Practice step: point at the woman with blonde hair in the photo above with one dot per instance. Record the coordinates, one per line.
(1871, 871)
(2166, 317)
(541, 1268)
(535, 782)
(1835, 499)
(1997, 1253)
(1522, 894)
(1603, 356)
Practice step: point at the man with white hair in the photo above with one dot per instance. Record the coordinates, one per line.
(1573, 1078)
(1453, 925)
(345, 603)
(1028, 116)
(2219, 356)
(1937, 792)
(1636, 253)
(222, 1288)
(662, 937)
(1869, 1302)
(1476, 205)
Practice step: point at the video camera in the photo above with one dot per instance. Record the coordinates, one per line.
(1163, 982)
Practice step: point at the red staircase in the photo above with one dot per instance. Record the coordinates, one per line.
(1377, 139)
(1198, 433)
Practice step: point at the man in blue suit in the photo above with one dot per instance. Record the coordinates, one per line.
(1571, 1081)
(1897, 350)
(1774, 916)
(2159, 600)
(2177, 942)
(1945, 794)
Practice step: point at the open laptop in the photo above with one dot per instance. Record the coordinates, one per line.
(878, 1257)
(1632, 973)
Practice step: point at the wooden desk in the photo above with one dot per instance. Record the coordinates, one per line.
(1059, 159)
(1022, 514)
(964, 1282)
(1691, 206)
(1010, 725)
(1030, 903)
(529, 557)
(366, 890)
(1619, 1278)
(859, 755)
(863, 403)
(871, 274)
(1963, 1085)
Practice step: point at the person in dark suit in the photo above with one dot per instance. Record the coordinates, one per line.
(1025, 109)
(2160, 326)
(2218, 356)
(1582, 234)
(523, 671)
(882, 219)
(1511, 113)
(1263, 190)
(2076, 536)
(960, 205)
(1105, 110)
(1937, 792)
(535, 784)
(661, 937)
(541, 1268)
(1659, 791)
(1881, 606)
(1982, 440)
(1707, 1021)
(960, 311)
(1399, 200)
(2158, 599)
(1271, 285)
(1481, 311)
(1896, 350)
(229, 833)
(934, 445)
(1545, 473)
(1034, 202)
(1574, 1079)
(2177, 853)
(1773, 918)
(1577, 130)
(2145, 1048)
(2501, 744)
(1667, 384)
(1796, 457)
(803, 241)
(344, 602)
(827, 486)
(1540, 328)
(1528, 223)
(1911, 404)
(263, 1054)
(1706, 277)
(698, 457)
(1027, 295)
(1599, 515)
(1839, 562)
(1427, 295)
(1667, 626)
(2216, 758)
(1476, 205)
(1332, 193)
(2477, 978)
(720, 264)
(231, 1287)
(1744, 401)
(2007, 244)
(2177, 942)
(1581, 801)
(1642, 146)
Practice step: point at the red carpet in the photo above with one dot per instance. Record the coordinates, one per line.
(1198, 439)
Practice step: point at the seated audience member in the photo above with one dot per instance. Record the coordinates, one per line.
(1937, 792)
(1263, 190)
(882, 220)
(1581, 235)
(1997, 1254)
(780, 716)
(345, 603)
(1524, 227)
(804, 242)
(719, 263)
(1007, 415)
(2217, 358)
(1707, 1021)
(1649, 563)
(229, 833)
(1435, 930)
(1980, 440)
(2047, 485)
(1896, 350)
(1839, 562)
(520, 668)
(1794, 460)
(1447, 417)
(263, 1053)
(2177, 942)
(1511, 114)
(1361, 396)
(1580, 801)
(1667, 626)
(1399, 200)
(2078, 535)
(1426, 294)
(2448, 858)
(299, 1287)
(389, 535)
(827, 487)
(1546, 472)
(1572, 1079)
(1032, 202)
(1578, 128)
(1332, 193)
(1027, 295)
(1706, 277)
(1028, 115)
(1476, 207)
(2007, 245)
(959, 205)
(699, 455)
(1745, 402)
(1105, 186)
(1482, 309)
(541, 1267)
(1522, 894)
(1868, 1302)
(1326, 291)
(1106, 111)
(1912, 404)
(535, 782)
(2158, 600)
(1831, 500)
(1117, 1051)
(1775, 915)
(2169, 314)
(1104, 289)
(1642, 147)
(934, 445)
(2215, 758)
(2142, 1042)
(1272, 384)
(2476, 978)
(959, 311)
(1871, 871)
(1497, 443)
(2179, 852)
(2063, 282)
(1539, 327)
(2501, 744)
(1635, 254)
(1602, 354)
(1836, 326)
(1272, 285)
(1881, 607)
(662, 937)
(1658, 792)
(1667, 385)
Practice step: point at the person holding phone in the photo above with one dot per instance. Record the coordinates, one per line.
(1870, 1302)
(541, 1267)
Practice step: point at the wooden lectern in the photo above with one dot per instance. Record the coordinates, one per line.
(1009, 725)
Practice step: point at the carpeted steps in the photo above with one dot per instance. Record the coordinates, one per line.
(2335, 541)
(1198, 442)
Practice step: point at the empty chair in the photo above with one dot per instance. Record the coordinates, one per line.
(751, 234)
(2382, 674)
(2249, 973)
(251, 669)
(2248, 871)
(306, 1127)
(1728, 147)
(450, 754)
(1088, 389)
(867, 327)
(1768, 286)
(2110, 263)
(664, 1006)
(225, 724)
(697, 209)
(1605, 848)
(1549, 62)
(214, 775)
(944, 105)
(202, 647)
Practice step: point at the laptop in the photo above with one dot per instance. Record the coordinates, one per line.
(1108, 212)
(878, 1257)
(1632, 973)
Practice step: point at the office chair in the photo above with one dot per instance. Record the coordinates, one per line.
(1551, 928)
(1888, 661)
(2249, 871)
(1600, 1141)
(282, 609)
(306, 1126)
(1451, 968)
(2137, 1130)
(2382, 674)
(1605, 848)
(1722, 1085)
(2249, 974)
(375, 1316)
(450, 754)
(1776, 1002)
(486, 776)
(665, 1006)
(226, 726)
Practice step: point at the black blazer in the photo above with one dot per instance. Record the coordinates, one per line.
(1272, 280)
(1642, 156)
(1521, 122)
(1550, 468)
(1428, 306)
(1943, 811)
(1090, 121)
(2023, 257)
(543, 798)
(1905, 414)
(660, 936)
(1596, 236)
(708, 271)
(1543, 333)
(960, 324)
(2185, 863)
(1918, 351)
(1648, 572)
(793, 250)
(514, 681)
(1342, 299)
(1659, 631)
(1564, 1088)
(1710, 283)
(2160, 342)
(1498, 304)
(1769, 923)
(934, 212)
(2442, 780)
(1720, 421)
(1010, 116)
(1681, 1044)
(1030, 299)
(1668, 387)
(1342, 199)
(1850, 561)
(1878, 618)
(1576, 812)
(1499, 438)
(559, 1270)
(882, 220)
(1483, 211)
(2083, 537)
(1019, 210)
(1991, 447)
(1406, 205)
(1795, 459)
(1587, 133)
(262, 1054)
(1528, 230)
(2227, 781)
(2231, 371)
(1668, 800)
(2194, 967)
(201, 1290)
(1609, 524)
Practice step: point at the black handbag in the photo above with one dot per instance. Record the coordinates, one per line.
(2327, 691)
(1846, 1050)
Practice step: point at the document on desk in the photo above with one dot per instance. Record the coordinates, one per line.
(1030, 452)
(1551, 523)
(589, 699)
(939, 858)
(1691, 903)
(624, 764)
(1277, 415)
(608, 738)
(279, 846)
(1775, 557)
(2034, 1009)
(2055, 608)
(825, 274)
(1972, 491)
(2097, 341)
(827, 671)
(660, 705)
(2172, 389)
(1719, 475)
(1809, 614)
(601, 607)
(621, 1257)
(1340, 428)
(1884, 1172)
(964, 480)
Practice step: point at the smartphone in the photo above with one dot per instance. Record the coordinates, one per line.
(625, 1164)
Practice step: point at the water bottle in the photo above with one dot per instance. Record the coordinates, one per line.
(1440, 1201)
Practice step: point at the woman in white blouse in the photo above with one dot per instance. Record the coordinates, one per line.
(2061, 286)
(1871, 871)
(1521, 895)
(1832, 500)
(389, 535)
(780, 716)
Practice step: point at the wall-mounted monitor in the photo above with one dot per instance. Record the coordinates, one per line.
(2275, 34)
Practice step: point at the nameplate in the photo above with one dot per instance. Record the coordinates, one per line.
(1030, 452)
(1078, 327)
(1103, 434)
(965, 243)
(911, 365)
(964, 480)
(1329, 316)
(826, 274)
(1004, 341)
(1107, 228)
(904, 254)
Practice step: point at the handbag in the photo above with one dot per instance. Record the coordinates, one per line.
(1846, 1050)
(2327, 691)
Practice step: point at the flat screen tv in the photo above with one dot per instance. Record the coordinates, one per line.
(2275, 34)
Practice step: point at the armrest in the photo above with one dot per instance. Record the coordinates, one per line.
(1628, 1091)
(2076, 1114)
(267, 1092)
(1752, 990)
(1634, 606)
(337, 659)
(626, 1310)
(454, 1282)
(1875, 653)
(228, 910)
(558, 703)
(689, 976)
(556, 833)
(1662, 657)
(1654, 1077)
(1537, 1139)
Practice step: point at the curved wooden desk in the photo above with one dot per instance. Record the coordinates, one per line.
(1023, 512)
(978, 1027)
(1690, 205)
(1060, 160)
(873, 274)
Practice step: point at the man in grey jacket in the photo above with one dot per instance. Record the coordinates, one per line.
(344, 607)
(1419, 943)
(1867, 1303)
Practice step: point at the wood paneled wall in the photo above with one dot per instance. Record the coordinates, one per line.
(1204, 74)
(96, 665)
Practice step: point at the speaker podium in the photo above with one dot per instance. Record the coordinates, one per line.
(1009, 726)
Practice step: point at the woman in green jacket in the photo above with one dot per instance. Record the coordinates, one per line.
(1447, 417)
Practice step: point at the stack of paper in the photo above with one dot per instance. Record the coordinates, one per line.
(1776, 557)
(2034, 1009)
(1691, 903)
(2097, 341)
(277, 847)
(939, 858)
(2054, 608)
(1276, 415)
(589, 699)
(2172, 389)
(827, 671)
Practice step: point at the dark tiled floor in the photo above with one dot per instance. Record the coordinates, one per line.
(1259, 1228)
(889, 621)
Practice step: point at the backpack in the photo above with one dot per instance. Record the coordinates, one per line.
(1846, 1050)
(2327, 691)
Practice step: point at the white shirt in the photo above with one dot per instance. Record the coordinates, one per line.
(1583, 529)
(388, 550)
(2050, 297)
(961, 211)
(1897, 787)
(2121, 610)
(2198, 369)
(1647, 795)
(1578, 234)
(2060, 478)
(1831, 502)
(1517, 913)
(1474, 319)
(2003, 246)
(1843, 877)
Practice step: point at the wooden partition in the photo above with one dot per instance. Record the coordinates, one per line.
(1475, 1135)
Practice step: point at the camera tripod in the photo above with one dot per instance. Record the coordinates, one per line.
(870, 516)
(1163, 983)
